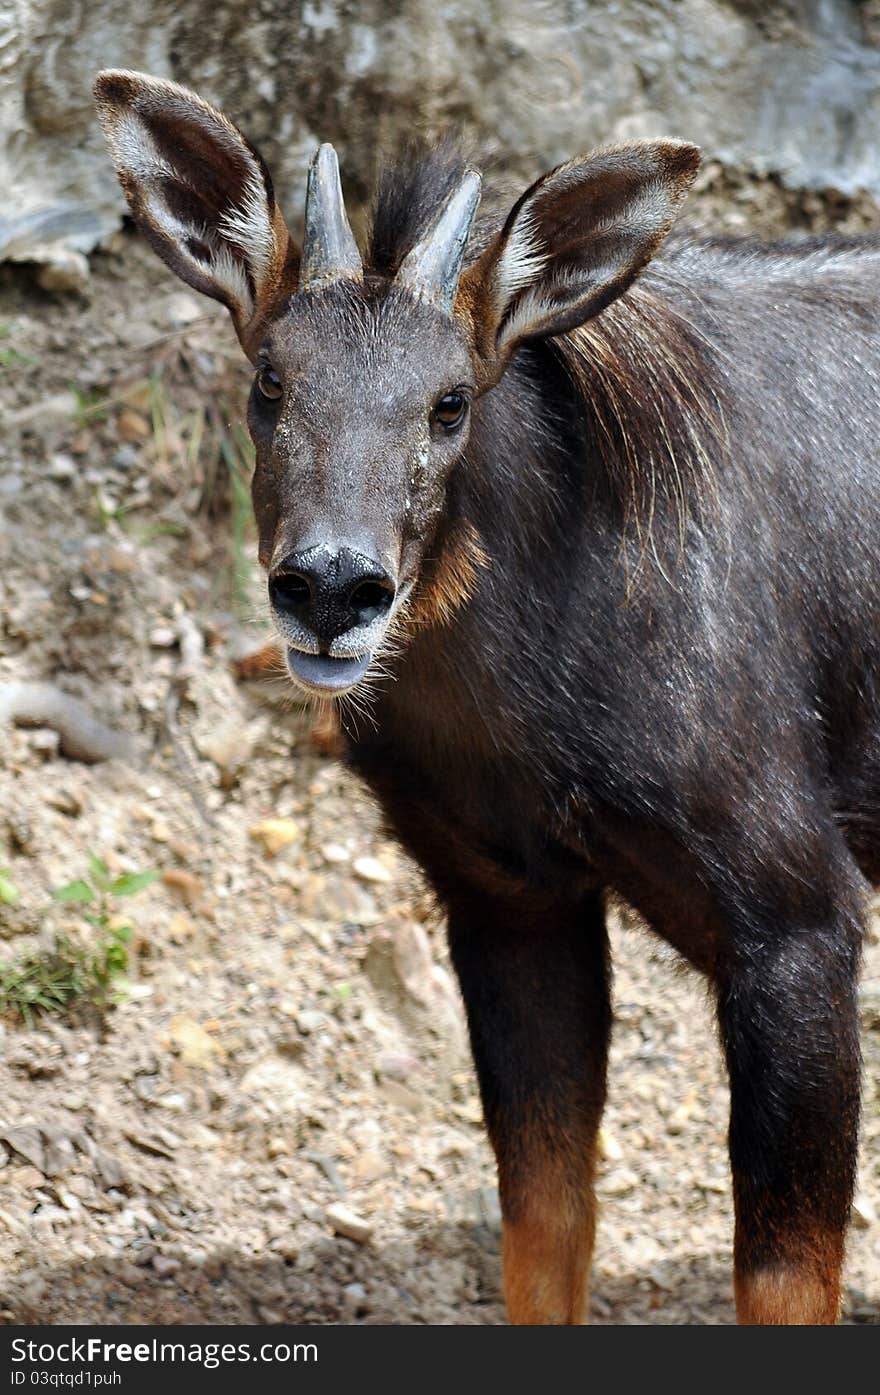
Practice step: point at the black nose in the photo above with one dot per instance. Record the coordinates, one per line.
(331, 591)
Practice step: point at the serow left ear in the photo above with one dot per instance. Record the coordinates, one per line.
(573, 243)
(199, 192)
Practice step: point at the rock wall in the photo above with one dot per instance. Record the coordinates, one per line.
(788, 89)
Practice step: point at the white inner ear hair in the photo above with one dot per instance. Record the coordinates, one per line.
(522, 260)
(554, 294)
(223, 267)
(246, 223)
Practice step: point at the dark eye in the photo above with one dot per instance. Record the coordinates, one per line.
(450, 411)
(269, 383)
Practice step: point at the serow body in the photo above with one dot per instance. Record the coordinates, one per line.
(584, 543)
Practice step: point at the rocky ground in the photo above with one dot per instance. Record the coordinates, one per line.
(280, 1121)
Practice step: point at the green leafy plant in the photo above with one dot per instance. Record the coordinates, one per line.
(51, 981)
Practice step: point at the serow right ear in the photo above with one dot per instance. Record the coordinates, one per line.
(575, 241)
(200, 194)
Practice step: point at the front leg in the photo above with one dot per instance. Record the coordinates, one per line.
(787, 1010)
(535, 980)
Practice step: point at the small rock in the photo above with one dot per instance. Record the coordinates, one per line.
(193, 1044)
(487, 1209)
(108, 1169)
(125, 458)
(26, 1142)
(334, 853)
(278, 1148)
(368, 1167)
(28, 1178)
(165, 1265)
(864, 1213)
(337, 898)
(370, 869)
(275, 834)
(59, 1158)
(396, 1066)
(66, 800)
(403, 1096)
(186, 885)
(47, 411)
(309, 1021)
(619, 1182)
(62, 467)
(62, 269)
(123, 558)
(230, 747)
(163, 637)
(328, 1166)
(608, 1146)
(132, 426)
(348, 1223)
(270, 1317)
(45, 742)
(182, 309)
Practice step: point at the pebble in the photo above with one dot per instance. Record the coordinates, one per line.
(619, 1182)
(230, 747)
(864, 1213)
(403, 1096)
(368, 1167)
(45, 742)
(270, 1317)
(308, 1021)
(608, 1146)
(125, 458)
(343, 1221)
(182, 309)
(65, 269)
(66, 800)
(396, 1066)
(62, 467)
(184, 884)
(275, 834)
(165, 1265)
(194, 1045)
(27, 1143)
(334, 853)
(337, 898)
(370, 869)
(132, 426)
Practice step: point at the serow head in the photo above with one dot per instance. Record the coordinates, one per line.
(366, 379)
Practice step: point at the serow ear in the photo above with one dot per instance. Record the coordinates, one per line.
(199, 192)
(573, 243)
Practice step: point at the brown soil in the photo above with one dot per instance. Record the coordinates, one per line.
(292, 1040)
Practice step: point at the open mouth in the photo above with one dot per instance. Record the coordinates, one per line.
(323, 675)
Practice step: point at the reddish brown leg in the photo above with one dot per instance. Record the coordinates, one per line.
(790, 1028)
(535, 983)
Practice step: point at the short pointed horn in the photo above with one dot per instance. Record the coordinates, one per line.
(432, 268)
(330, 252)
